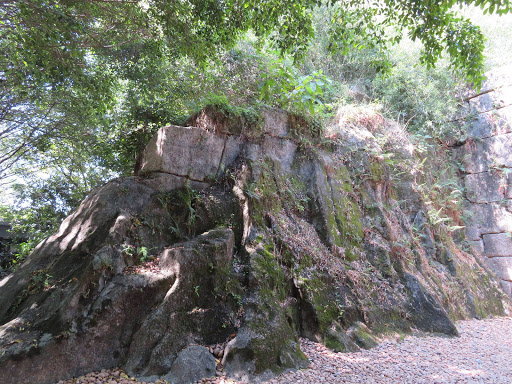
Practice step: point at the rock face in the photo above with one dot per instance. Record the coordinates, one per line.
(487, 162)
(190, 153)
(192, 364)
(241, 235)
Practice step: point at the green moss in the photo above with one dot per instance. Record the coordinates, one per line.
(290, 354)
(274, 192)
(351, 227)
(376, 171)
(278, 354)
(343, 215)
(228, 286)
(334, 343)
(386, 320)
(487, 300)
(268, 319)
(269, 272)
(264, 193)
(320, 295)
(362, 337)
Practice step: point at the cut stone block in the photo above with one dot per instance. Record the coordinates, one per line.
(483, 103)
(275, 122)
(189, 152)
(486, 154)
(213, 119)
(497, 244)
(492, 123)
(478, 246)
(503, 96)
(279, 150)
(501, 266)
(494, 100)
(498, 77)
(231, 152)
(487, 218)
(486, 187)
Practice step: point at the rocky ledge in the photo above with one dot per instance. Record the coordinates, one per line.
(245, 236)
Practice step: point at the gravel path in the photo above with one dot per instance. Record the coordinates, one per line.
(482, 354)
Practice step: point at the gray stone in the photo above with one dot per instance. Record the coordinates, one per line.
(110, 258)
(164, 182)
(337, 339)
(486, 187)
(192, 364)
(503, 117)
(497, 244)
(498, 98)
(288, 355)
(487, 154)
(497, 78)
(507, 287)
(501, 266)
(185, 151)
(191, 311)
(490, 124)
(93, 301)
(237, 356)
(113, 315)
(362, 336)
(426, 313)
(488, 218)
(483, 103)
(216, 120)
(247, 356)
(508, 174)
(327, 241)
(81, 233)
(231, 152)
(478, 246)
(252, 151)
(281, 151)
(275, 122)
(502, 96)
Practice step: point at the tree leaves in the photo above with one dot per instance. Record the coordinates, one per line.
(283, 86)
(84, 83)
(434, 23)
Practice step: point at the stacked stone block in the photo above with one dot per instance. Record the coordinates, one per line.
(487, 164)
(196, 156)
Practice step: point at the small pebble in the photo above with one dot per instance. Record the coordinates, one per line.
(482, 354)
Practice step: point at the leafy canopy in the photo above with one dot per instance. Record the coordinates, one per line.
(54, 41)
(62, 60)
(435, 24)
(84, 84)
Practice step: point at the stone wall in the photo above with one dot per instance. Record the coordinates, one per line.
(486, 159)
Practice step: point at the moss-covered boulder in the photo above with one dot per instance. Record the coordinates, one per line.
(277, 233)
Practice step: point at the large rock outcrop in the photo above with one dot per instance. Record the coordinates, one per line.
(486, 159)
(243, 235)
